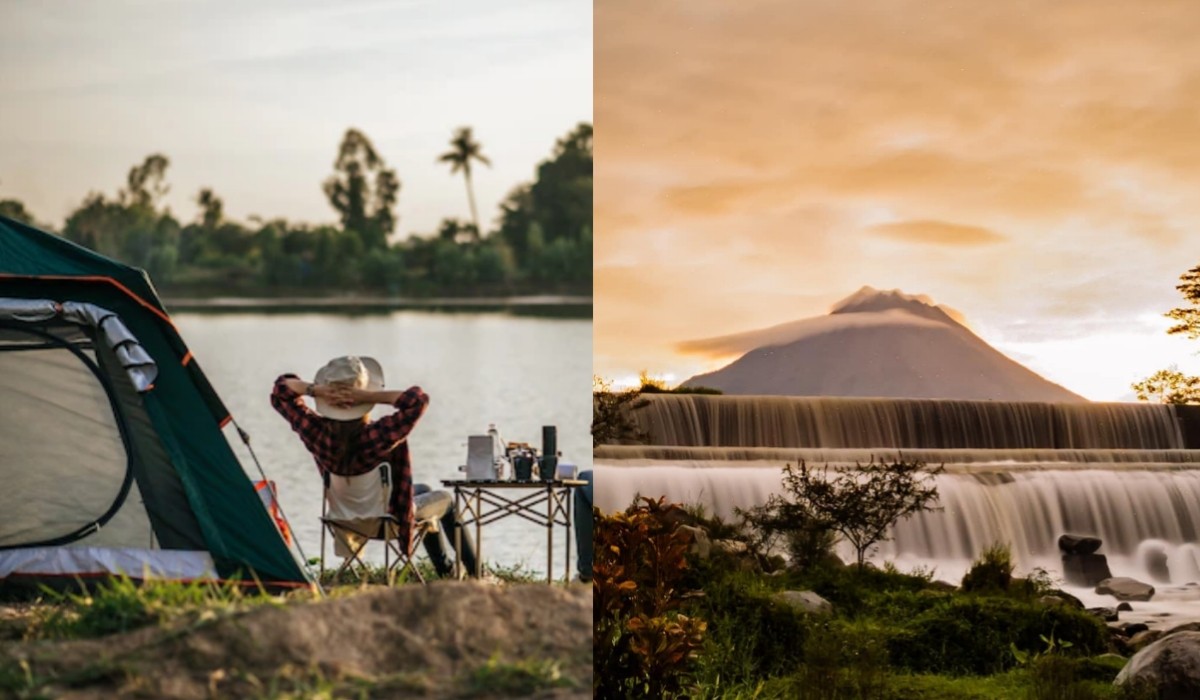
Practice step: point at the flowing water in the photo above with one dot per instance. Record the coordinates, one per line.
(1019, 473)
(518, 372)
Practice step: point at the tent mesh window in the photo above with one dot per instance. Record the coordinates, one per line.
(67, 469)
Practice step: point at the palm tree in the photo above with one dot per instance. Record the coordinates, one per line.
(463, 149)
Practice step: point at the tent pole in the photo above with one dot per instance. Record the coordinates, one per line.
(295, 536)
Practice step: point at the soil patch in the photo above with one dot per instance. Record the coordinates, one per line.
(412, 641)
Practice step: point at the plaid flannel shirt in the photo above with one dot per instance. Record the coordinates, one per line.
(384, 440)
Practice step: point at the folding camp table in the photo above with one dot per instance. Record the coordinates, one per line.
(544, 503)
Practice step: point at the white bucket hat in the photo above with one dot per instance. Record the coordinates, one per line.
(350, 370)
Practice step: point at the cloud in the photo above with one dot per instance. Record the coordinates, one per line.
(1030, 163)
(937, 233)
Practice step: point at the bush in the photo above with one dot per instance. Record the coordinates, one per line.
(642, 645)
(992, 571)
(861, 504)
(750, 635)
(611, 422)
(975, 635)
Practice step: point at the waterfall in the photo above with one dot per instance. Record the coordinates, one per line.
(1017, 473)
(782, 421)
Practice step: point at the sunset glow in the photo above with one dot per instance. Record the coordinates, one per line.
(1031, 165)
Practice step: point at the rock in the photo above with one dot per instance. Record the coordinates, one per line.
(1106, 614)
(1169, 668)
(1085, 569)
(1052, 600)
(805, 601)
(731, 547)
(701, 545)
(1156, 564)
(1193, 626)
(1124, 588)
(1128, 629)
(1124, 607)
(1144, 638)
(1062, 597)
(1078, 544)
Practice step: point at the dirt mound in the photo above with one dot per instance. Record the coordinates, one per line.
(413, 640)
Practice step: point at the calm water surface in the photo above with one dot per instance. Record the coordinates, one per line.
(518, 372)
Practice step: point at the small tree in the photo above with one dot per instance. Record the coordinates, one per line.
(859, 504)
(1169, 386)
(611, 423)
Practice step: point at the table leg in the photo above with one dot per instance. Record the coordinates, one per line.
(478, 533)
(458, 535)
(549, 532)
(570, 496)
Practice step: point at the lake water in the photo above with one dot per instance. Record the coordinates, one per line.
(518, 372)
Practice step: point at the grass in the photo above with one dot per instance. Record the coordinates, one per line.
(120, 604)
(519, 679)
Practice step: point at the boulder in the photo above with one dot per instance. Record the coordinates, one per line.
(1085, 569)
(1156, 565)
(1078, 544)
(701, 545)
(1142, 639)
(804, 601)
(1123, 588)
(1128, 629)
(731, 547)
(1106, 614)
(1169, 668)
(1124, 607)
(1061, 597)
(1193, 626)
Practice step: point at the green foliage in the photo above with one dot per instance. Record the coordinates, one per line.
(558, 204)
(992, 571)
(464, 149)
(611, 422)
(1187, 318)
(520, 679)
(975, 634)
(121, 604)
(1169, 386)
(15, 209)
(843, 660)
(363, 190)
(642, 645)
(213, 255)
(861, 505)
(750, 636)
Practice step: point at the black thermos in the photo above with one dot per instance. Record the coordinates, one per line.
(549, 463)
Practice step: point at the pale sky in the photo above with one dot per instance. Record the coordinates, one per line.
(1033, 165)
(252, 98)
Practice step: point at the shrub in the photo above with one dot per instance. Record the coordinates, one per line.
(992, 571)
(611, 423)
(749, 634)
(642, 645)
(860, 504)
(975, 634)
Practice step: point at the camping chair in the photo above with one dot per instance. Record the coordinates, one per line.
(354, 511)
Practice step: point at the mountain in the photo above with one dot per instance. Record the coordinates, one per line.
(874, 343)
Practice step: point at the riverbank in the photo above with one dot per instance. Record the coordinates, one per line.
(559, 305)
(444, 640)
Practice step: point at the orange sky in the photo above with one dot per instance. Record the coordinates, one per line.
(1034, 165)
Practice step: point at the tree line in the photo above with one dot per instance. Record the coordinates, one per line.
(541, 241)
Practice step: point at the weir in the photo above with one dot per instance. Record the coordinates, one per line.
(1019, 473)
(784, 421)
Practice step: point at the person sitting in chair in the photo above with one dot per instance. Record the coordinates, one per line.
(343, 440)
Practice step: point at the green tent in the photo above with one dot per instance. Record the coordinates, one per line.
(112, 453)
